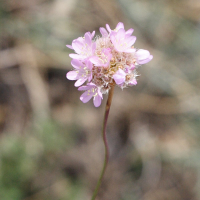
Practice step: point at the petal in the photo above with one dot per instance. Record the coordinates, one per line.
(119, 79)
(132, 67)
(133, 82)
(88, 39)
(121, 33)
(119, 76)
(79, 39)
(93, 47)
(77, 46)
(80, 82)
(90, 77)
(141, 62)
(97, 101)
(96, 61)
(76, 64)
(69, 46)
(121, 72)
(120, 25)
(142, 54)
(130, 40)
(72, 75)
(85, 87)
(92, 35)
(131, 50)
(129, 32)
(85, 97)
(76, 56)
(103, 32)
(89, 65)
(108, 28)
(114, 39)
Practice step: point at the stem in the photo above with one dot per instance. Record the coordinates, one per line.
(106, 158)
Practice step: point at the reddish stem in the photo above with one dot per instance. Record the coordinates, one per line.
(107, 109)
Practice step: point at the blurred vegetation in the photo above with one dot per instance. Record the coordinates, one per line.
(50, 142)
(33, 165)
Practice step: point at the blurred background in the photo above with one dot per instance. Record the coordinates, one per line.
(50, 142)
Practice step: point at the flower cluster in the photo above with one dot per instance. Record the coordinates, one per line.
(105, 61)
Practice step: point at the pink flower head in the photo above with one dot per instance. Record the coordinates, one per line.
(84, 47)
(143, 56)
(91, 91)
(105, 61)
(122, 42)
(103, 58)
(82, 72)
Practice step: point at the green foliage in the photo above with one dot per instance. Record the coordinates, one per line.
(28, 159)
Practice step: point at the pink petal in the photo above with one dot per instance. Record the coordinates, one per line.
(119, 76)
(92, 35)
(113, 37)
(77, 46)
(142, 54)
(69, 46)
(108, 28)
(85, 87)
(120, 25)
(133, 82)
(132, 67)
(141, 62)
(130, 40)
(72, 75)
(89, 65)
(76, 63)
(93, 47)
(97, 101)
(90, 77)
(95, 60)
(88, 39)
(129, 32)
(131, 50)
(121, 33)
(118, 79)
(76, 56)
(80, 82)
(85, 97)
(103, 32)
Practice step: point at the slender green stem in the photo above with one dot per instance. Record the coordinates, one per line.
(108, 104)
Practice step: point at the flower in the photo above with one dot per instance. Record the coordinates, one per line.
(105, 61)
(103, 58)
(83, 46)
(82, 72)
(91, 91)
(122, 42)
